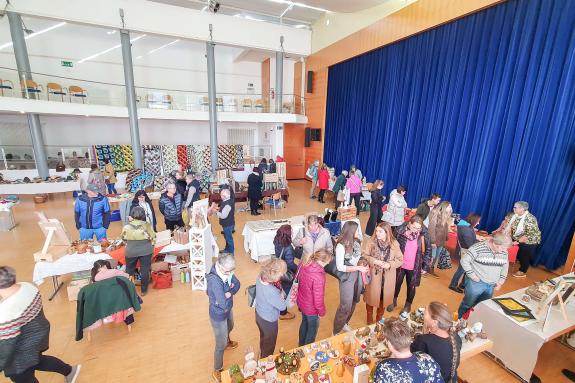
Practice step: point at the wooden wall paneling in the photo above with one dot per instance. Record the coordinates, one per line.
(415, 18)
(297, 87)
(294, 137)
(266, 82)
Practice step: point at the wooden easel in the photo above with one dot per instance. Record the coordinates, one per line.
(56, 243)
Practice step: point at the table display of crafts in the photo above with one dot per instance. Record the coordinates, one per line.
(37, 180)
(94, 247)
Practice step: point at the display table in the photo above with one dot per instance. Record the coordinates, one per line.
(7, 221)
(468, 350)
(451, 245)
(40, 188)
(242, 196)
(261, 243)
(517, 345)
(67, 264)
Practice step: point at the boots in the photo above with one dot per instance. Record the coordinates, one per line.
(379, 314)
(369, 310)
(406, 307)
(392, 306)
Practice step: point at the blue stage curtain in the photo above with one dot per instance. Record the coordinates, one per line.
(481, 110)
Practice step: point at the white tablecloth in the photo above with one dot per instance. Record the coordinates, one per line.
(517, 345)
(40, 188)
(261, 243)
(65, 265)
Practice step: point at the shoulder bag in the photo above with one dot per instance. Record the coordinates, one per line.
(251, 293)
(291, 298)
(288, 276)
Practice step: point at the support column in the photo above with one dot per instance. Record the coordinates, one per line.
(25, 73)
(212, 103)
(279, 80)
(131, 98)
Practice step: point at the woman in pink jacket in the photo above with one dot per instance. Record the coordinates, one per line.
(310, 294)
(354, 185)
(323, 182)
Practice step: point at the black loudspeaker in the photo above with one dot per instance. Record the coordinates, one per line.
(316, 134)
(309, 81)
(307, 137)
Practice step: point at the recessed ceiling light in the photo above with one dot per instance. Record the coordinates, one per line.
(31, 35)
(326, 21)
(300, 26)
(111, 32)
(22, 112)
(108, 50)
(301, 5)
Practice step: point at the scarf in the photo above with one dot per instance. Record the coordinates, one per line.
(410, 236)
(520, 226)
(381, 253)
(18, 310)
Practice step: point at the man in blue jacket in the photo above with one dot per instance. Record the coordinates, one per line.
(92, 213)
(222, 286)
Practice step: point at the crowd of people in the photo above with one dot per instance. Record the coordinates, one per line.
(395, 250)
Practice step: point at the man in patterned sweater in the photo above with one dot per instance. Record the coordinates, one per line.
(485, 264)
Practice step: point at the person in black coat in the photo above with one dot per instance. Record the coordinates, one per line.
(375, 212)
(141, 199)
(272, 168)
(285, 251)
(255, 184)
(181, 184)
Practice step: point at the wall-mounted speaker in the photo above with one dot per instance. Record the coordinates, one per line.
(307, 137)
(309, 81)
(316, 134)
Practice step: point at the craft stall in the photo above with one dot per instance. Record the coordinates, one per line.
(259, 235)
(347, 357)
(519, 323)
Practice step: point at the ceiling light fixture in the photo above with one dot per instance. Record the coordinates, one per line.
(111, 32)
(34, 34)
(301, 5)
(163, 46)
(108, 50)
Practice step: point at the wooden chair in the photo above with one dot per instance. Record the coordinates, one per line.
(6, 84)
(275, 202)
(55, 89)
(247, 104)
(77, 91)
(259, 105)
(287, 107)
(220, 104)
(31, 87)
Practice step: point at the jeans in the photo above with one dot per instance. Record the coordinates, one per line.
(475, 292)
(525, 255)
(268, 336)
(88, 234)
(145, 263)
(435, 251)
(457, 276)
(222, 334)
(46, 363)
(321, 195)
(229, 239)
(308, 329)
(111, 188)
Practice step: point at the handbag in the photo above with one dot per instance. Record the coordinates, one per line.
(288, 276)
(444, 261)
(341, 196)
(162, 279)
(291, 298)
(181, 236)
(251, 293)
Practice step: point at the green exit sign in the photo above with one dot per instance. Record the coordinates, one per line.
(68, 64)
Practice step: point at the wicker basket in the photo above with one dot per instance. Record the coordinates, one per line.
(346, 213)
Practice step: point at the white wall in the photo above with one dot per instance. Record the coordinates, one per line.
(86, 131)
(150, 17)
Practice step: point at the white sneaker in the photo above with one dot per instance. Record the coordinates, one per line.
(347, 328)
(73, 375)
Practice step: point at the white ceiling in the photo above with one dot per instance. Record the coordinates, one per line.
(271, 10)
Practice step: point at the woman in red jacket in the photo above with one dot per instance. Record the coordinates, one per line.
(310, 294)
(323, 182)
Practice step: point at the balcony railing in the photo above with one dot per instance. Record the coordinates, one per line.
(72, 90)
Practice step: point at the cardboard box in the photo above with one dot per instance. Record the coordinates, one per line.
(346, 213)
(74, 288)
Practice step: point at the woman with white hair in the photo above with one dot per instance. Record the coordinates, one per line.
(524, 230)
(25, 333)
(222, 286)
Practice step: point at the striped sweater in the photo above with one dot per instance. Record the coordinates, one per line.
(19, 310)
(479, 260)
